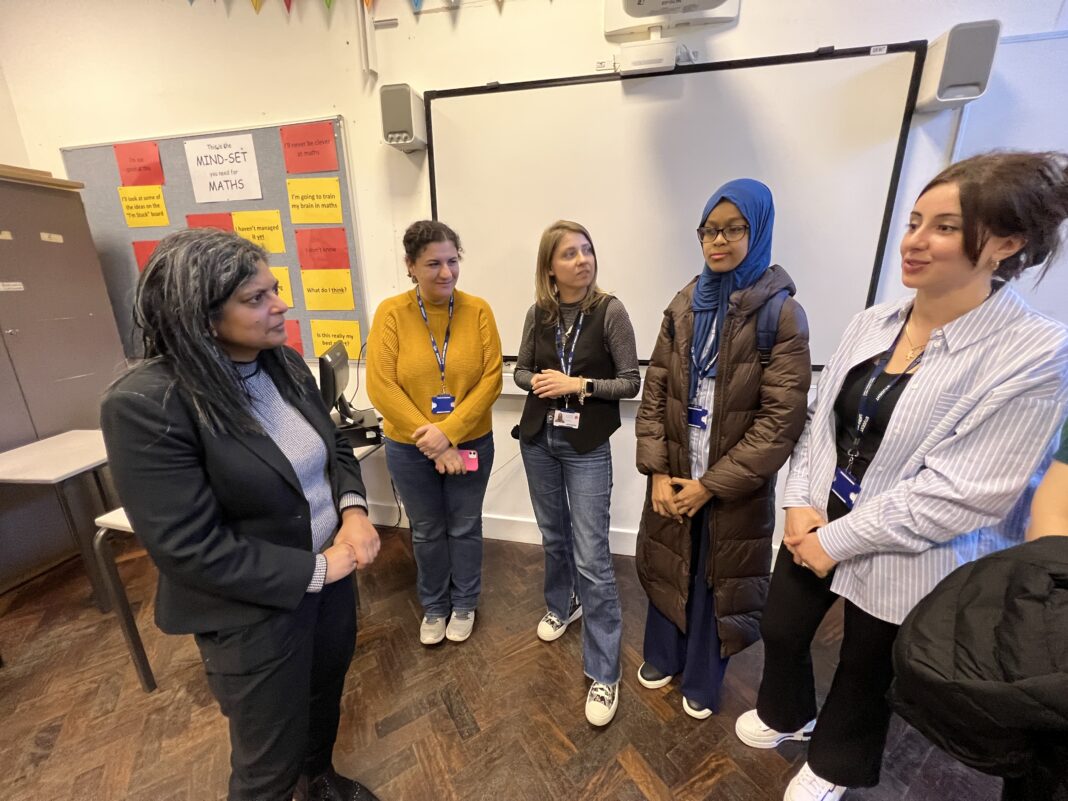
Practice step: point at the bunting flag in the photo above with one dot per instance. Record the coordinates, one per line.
(368, 3)
(257, 4)
(328, 3)
(289, 5)
(191, 2)
(417, 5)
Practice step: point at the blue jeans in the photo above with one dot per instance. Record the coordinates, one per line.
(571, 494)
(445, 513)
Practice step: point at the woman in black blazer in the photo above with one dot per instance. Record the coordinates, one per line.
(251, 504)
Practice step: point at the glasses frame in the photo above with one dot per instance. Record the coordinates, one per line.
(717, 231)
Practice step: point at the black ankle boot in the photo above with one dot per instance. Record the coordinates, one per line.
(332, 786)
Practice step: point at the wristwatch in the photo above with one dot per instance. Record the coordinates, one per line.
(587, 389)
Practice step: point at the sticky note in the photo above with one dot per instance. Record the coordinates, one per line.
(322, 249)
(314, 200)
(285, 289)
(309, 147)
(143, 206)
(139, 164)
(223, 221)
(327, 290)
(262, 227)
(293, 338)
(326, 332)
(143, 252)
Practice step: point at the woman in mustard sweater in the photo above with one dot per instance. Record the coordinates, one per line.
(433, 372)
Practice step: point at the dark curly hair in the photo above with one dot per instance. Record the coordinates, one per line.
(1005, 193)
(422, 233)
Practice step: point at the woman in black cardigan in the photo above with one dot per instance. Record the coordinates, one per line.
(249, 502)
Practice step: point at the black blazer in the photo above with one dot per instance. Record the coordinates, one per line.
(223, 517)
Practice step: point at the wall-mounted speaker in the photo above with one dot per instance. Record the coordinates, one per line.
(403, 118)
(958, 65)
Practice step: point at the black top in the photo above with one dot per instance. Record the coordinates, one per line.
(846, 407)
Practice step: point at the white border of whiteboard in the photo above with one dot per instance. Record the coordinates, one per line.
(629, 159)
(1025, 107)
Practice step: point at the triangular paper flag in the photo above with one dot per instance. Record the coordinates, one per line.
(257, 4)
(289, 4)
(368, 3)
(191, 2)
(417, 5)
(328, 3)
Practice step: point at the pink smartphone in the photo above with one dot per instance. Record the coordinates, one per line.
(470, 460)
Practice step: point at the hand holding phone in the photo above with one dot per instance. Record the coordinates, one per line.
(470, 460)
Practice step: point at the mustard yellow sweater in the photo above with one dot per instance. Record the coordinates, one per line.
(402, 373)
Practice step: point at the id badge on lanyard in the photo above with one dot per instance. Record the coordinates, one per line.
(443, 402)
(566, 417)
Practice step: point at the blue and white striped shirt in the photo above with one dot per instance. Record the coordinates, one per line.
(965, 446)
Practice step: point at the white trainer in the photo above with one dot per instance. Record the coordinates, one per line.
(551, 627)
(460, 625)
(601, 703)
(432, 629)
(752, 731)
(807, 786)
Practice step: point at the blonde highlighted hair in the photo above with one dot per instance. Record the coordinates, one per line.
(546, 295)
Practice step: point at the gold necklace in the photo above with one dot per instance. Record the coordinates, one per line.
(913, 350)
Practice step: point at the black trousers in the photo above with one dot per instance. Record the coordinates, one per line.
(279, 683)
(847, 744)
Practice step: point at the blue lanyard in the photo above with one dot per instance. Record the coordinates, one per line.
(438, 354)
(698, 371)
(565, 364)
(868, 406)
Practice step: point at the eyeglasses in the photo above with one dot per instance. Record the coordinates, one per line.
(732, 233)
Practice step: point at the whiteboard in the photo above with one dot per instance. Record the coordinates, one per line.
(1025, 108)
(635, 159)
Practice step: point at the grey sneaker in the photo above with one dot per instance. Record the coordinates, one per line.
(460, 624)
(601, 703)
(551, 627)
(432, 629)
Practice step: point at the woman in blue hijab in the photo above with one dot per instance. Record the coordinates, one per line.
(723, 405)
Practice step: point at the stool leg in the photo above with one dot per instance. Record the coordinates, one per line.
(105, 559)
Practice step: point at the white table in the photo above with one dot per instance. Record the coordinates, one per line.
(53, 461)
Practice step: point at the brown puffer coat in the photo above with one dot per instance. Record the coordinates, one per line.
(758, 414)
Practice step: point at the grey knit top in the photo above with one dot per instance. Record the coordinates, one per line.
(305, 450)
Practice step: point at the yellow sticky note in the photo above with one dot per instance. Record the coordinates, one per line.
(262, 227)
(326, 332)
(285, 289)
(143, 206)
(327, 290)
(314, 200)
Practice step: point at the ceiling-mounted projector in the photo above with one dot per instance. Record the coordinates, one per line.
(650, 8)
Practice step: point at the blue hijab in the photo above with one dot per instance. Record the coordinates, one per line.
(713, 289)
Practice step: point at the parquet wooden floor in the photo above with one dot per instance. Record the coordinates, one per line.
(498, 718)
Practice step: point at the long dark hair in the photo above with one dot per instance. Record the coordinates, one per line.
(179, 299)
(1003, 193)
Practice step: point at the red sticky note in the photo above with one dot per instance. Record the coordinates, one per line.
(143, 252)
(309, 147)
(323, 248)
(223, 222)
(139, 164)
(293, 339)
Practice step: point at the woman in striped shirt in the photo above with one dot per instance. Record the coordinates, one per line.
(931, 420)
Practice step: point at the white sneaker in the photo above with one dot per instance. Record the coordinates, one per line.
(807, 786)
(432, 629)
(551, 627)
(752, 731)
(601, 703)
(460, 625)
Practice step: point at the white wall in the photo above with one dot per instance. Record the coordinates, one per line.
(12, 148)
(83, 72)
